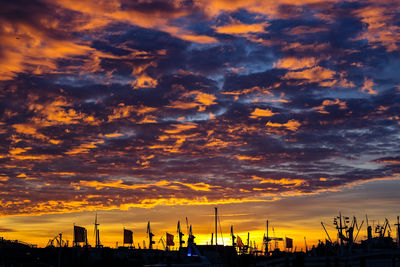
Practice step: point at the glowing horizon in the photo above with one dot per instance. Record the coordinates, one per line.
(126, 107)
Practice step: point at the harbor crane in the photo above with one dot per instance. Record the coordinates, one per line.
(268, 239)
(381, 229)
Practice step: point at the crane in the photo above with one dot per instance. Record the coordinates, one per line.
(97, 233)
(267, 239)
(58, 239)
(162, 242)
(180, 234)
(330, 240)
(150, 235)
(381, 230)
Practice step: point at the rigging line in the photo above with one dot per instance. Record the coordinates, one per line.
(220, 229)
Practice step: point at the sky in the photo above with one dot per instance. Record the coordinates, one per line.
(159, 110)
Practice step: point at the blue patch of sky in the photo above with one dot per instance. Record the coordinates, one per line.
(91, 79)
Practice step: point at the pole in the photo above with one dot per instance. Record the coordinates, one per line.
(341, 228)
(74, 242)
(216, 228)
(267, 240)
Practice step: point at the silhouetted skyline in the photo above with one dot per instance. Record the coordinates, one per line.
(158, 110)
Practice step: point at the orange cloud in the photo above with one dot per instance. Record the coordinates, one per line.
(181, 127)
(315, 74)
(238, 28)
(262, 113)
(111, 12)
(282, 181)
(18, 150)
(182, 105)
(144, 81)
(292, 125)
(57, 112)
(242, 157)
(380, 26)
(115, 184)
(27, 49)
(113, 135)
(201, 39)
(84, 148)
(29, 129)
(325, 103)
(293, 63)
(121, 111)
(193, 99)
(163, 183)
(204, 99)
(216, 142)
(368, 86)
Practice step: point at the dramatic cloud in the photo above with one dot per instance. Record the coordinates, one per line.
(120, 104)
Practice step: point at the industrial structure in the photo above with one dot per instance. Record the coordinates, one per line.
(379, 249)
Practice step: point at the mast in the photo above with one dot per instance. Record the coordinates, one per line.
(96, 232)
(216, 228)
(267, 240)
(341, 229)
(398, 232)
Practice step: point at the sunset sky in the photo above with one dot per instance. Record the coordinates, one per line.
(142, 110)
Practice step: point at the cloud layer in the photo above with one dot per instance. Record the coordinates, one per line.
(139, 103)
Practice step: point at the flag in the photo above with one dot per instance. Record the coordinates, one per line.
(128, 236)
(239, 242)
(170, 240)
(289, 242)
(80, 234)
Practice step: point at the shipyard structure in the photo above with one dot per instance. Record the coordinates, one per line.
(380, 248)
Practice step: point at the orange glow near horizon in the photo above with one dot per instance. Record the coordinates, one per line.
(151, 110)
